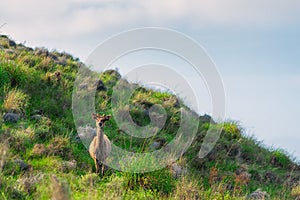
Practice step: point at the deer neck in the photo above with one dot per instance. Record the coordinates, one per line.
(100, 135)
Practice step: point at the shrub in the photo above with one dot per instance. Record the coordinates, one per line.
(4, 41)
(39, 150)
(4, 78)
(18, 74)
(280, 158)
(11, 168)
(19, 140)
(59, 147)
(16, 101)
(42, 133)
(296, 191)
(232, 130)
(7, 189)
(110, 77)
(160, 180)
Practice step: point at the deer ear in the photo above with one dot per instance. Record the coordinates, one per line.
(94, 116)
(108, 116)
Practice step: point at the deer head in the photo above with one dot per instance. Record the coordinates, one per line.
(100, 119)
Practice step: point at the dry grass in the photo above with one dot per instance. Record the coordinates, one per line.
(3, 154)
(60, 190)
(16, 101)
(296, 191)
(187, 188)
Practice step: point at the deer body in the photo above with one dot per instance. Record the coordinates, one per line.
(100, 146)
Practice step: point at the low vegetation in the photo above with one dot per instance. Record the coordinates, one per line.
(42, 156)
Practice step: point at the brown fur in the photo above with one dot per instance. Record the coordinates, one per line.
(100, 147)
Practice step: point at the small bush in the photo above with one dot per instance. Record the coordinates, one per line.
(7, 189)
(19, 140)
(16, 101)
(11, 168)
(280, 158)
(42, 133)
(110, 77)
(160, 180)
(59, 146)
(39, 150)
(232, 130)
(4, 78)
(4, 42)
(18, 74)
(296, 191)
(88, 180)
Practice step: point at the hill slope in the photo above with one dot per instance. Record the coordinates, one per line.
(41, 155)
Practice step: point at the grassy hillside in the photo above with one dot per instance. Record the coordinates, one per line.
(42, 157)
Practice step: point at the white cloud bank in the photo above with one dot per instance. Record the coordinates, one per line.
(70, 18)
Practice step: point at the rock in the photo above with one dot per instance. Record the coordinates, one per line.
(9, 51)
(235, 151)
(66, 55)
(271, 177)
(83, 86)
(100, 86)
(11, 117)
(206, 119)
(36, 117)
(81, 65)
(69, 165)
(177, 170)
(258, 195)
(12, 43)
(28, 183)
(242, 176)
(157, 144)
(61, 60)
(37, 112)
(53, 56)
(172, 102)
(22, 164)
(41, 52)
(22, 47)
(241, 169)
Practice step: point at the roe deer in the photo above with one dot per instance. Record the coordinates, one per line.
(100, 147)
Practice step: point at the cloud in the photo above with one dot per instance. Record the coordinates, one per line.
(42, 22)
(69, 16)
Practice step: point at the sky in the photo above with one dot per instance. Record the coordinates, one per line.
(255, 45)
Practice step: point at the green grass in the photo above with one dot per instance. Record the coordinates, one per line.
(29, 83)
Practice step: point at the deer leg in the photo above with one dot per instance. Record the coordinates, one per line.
(96, 165)
(102, 169)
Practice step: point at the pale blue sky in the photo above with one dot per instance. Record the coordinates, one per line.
(255, 45)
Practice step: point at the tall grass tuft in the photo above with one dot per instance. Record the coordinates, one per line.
(16, 101)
